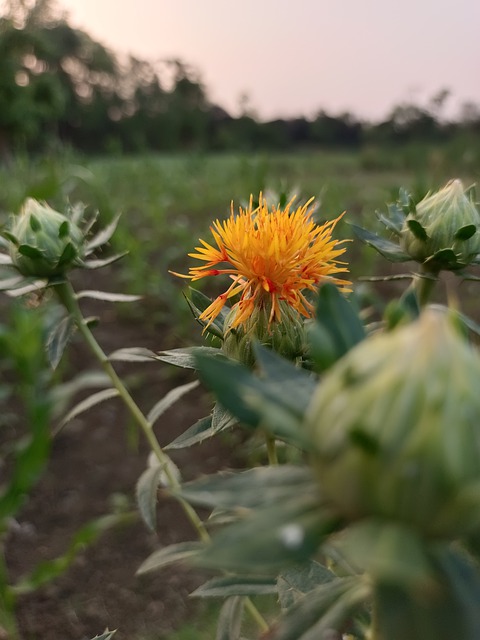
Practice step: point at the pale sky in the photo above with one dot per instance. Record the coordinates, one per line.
(294, 57)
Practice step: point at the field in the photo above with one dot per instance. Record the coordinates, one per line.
(166, 203)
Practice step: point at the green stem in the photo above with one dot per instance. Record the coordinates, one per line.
(423, 285)
(67, 297)
(271, 450)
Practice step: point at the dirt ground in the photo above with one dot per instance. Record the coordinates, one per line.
(93, 458)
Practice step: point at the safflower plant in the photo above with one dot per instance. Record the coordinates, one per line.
(364, 521)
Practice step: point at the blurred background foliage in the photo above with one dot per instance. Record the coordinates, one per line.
(61, 88)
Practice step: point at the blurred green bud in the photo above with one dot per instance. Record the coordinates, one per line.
(395, 428)
(44, 242)
(442, 232)
(286, 337)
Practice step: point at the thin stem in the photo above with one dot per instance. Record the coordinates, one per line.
(271, 450)
(423, 285)
(67, 297)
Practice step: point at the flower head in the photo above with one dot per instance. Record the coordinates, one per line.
(273, 256)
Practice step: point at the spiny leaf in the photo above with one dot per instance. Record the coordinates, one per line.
(146, 492)
(225, 587)
(168, 555)
(466, 232)
(230, 619)
(30, 252)
(103, 236)
(108, 297)
(103, 262)
(58, 340)
(90, 402)
(169, 399)
(387, 249)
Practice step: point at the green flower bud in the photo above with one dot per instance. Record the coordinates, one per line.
(286, 337)
(443, 230)
(43, 242)
(395, 427)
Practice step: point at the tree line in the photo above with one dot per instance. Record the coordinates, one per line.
(58, 86)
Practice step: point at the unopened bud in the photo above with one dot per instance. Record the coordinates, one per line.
(395, 427)
(44, 242)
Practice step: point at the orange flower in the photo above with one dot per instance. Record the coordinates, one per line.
(270, 255)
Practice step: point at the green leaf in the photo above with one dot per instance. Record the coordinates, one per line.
(198, 302)
(269, 540)
(103, 236)
(228, 586)
(329, 607)
(387, 249)
(168, 400)
(168, 555)
(444, 257)
(30, 252)
(10, 237)
(394, 220)
(146, 492)
(205, 428)
(90, 402)
(34, 223)
(198, 432)
(449, 609)
(5, 259)
(466, 232)
(186, 357)
(64, 229)
(37, 285)
(68, 255)
(417, 229)
(387, 551)
(108, 297)
(105, 636)
(58, 340)
(48, 570)
(295, 582)
(337, 327)
(103, 262)
(230, 619)
(133, 354)
(239, 489)
(255, 400)
(11, 283)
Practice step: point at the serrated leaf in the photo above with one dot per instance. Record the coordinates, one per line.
(198, 432)
(230, 619)
(107, 296)
(198, 302)
(37, 285)
(103, 262)
(186, 357)
(133, 354)
(168, 555)
(395, 218)
(295, 582)
(443, 257)
(329, 607)
(11, 283)
(337, 327)
(169, 399)
(387, 249)
(239, 489)
(146, 493)
(58, 340)
(105, 636)
(103, 236)
(417, 229)
(466, 232)
(270, 539)
(89, 403)
(228, 586)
